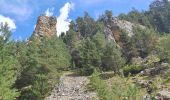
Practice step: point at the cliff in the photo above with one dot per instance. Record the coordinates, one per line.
(115, 26)
(45, 27)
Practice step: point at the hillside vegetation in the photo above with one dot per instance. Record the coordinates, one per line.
(138, 64)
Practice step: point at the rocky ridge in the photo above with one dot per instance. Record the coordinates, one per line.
(46, 27)
(116, 26)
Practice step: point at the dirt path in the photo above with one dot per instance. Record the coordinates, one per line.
(72, 87)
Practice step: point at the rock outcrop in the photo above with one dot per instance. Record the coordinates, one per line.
(115, 26)
(118, 25)
(162, 69)
(109, 35)
(163, 95)
(45, 27)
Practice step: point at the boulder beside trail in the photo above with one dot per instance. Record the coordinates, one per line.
(162, 70)
(163, 95)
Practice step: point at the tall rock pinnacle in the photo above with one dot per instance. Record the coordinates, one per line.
(45, 27)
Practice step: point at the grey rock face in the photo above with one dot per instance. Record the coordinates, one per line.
(143, 83)
(109, 35)
(147, 97)
(123, 25)
(115, 26)
(163, 95)
(162, 69)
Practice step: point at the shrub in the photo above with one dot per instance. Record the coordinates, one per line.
(40, 87)
(132, 69)
(120, 89)
(100, 87)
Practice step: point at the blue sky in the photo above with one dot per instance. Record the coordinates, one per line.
(22, 14)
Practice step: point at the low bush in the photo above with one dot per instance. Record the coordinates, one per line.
(119, 89)
(100, 87)
(132, 69)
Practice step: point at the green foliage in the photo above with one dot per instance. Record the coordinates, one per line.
(138, 65)
(71, 38)
(142, 43)
(156, 17)
(145, 41)
(129, 91)
(99, 86)
(112, 58)
(100, 41)
(136, 17)
(164, 48)
(132, 69)
(56, 52)
(86, 25)
(8, 66)
(120, 89)
(100, 54)
(89, 55)
(42, 63)
(8, 75)
(129, 49)
(151, 60)
(106, 17)
(40, 87)
(34, 66)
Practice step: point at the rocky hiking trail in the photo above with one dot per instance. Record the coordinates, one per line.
(72, 87)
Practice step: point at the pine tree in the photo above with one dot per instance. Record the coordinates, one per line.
(8, 66)
(112, 58)
(90, 57)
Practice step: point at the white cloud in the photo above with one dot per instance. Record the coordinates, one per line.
(34, 27)
(18, 8)
(22, 10)
(49, 12)
(63, 20)
(9, 21)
